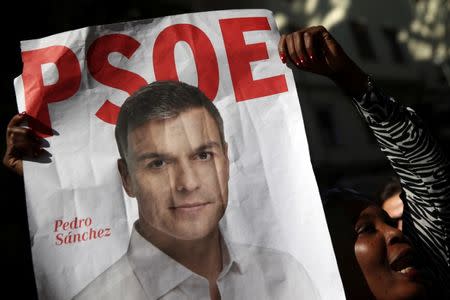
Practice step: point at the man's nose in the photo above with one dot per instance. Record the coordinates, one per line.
(186, 179)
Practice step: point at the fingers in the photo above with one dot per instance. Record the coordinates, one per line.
(23, 141)
(20, 142)
(18, 119)
(292, 55)
(299, 46)
(313, 40)
(281, 48)
(330, 45)
(315, 50)
(309, 46)
(13, 164)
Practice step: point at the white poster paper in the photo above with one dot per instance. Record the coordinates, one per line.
(80, 217)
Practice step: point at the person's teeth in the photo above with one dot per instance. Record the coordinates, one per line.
(405, 270)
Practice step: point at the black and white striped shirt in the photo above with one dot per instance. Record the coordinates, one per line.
(424, 172)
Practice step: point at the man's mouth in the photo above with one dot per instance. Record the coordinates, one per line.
(190, 206)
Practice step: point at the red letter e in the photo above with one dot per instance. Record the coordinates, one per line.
(240, 55)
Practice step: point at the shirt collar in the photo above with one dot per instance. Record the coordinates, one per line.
(153, 267)
(231, 258)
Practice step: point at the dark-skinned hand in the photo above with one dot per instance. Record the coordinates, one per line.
(314, 49)
(21, 143)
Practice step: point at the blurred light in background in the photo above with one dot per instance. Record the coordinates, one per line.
(282, 21)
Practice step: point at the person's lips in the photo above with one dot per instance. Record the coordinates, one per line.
(404, 262)
(190, 207)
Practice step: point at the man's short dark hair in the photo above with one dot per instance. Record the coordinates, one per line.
(157, 101)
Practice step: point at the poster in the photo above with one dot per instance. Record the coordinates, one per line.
(82, 219)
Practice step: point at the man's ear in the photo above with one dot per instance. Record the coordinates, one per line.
(125, 175)
(225, 151)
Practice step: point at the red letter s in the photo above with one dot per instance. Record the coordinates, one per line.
(105, 73)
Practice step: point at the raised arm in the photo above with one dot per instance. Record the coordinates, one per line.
(414, 154)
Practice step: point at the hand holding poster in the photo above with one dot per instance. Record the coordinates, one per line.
(241, 159)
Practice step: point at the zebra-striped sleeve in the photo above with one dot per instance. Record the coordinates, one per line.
(424, 173)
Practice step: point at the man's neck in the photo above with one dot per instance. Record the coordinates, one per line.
(202, 256)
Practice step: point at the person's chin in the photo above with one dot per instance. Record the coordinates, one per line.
(197, 229)
(408, 289)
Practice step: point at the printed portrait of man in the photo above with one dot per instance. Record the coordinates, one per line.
(174, 161)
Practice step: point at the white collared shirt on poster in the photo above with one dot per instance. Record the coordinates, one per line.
(248, 272)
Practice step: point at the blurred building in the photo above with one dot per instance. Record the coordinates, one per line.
(403, 44)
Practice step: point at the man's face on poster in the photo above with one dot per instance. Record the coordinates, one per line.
(178, 172)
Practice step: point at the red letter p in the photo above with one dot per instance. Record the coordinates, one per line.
(38, 95)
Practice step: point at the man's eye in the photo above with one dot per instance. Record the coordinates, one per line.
(157, 164)
(204, 155)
